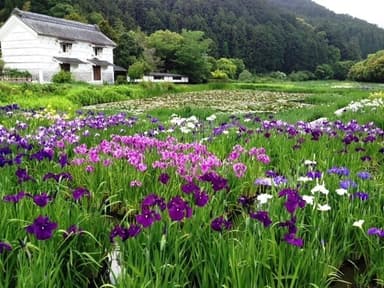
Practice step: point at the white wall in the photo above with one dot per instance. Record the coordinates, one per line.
(23, 49)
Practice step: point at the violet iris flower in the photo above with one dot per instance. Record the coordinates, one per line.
(261, 216)
(42, 228)
(80, 192)
(15, 198)
(147, 218)
(164, 178)
(4, 246)
(291, 239)
(178, 209)
(42, 199)
(220, 224)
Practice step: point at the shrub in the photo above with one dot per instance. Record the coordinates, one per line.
(278, 75)
(84, 96)
(301, 76)
(121, 80)
(14, 73)
(62, 77)
(245, 76)
(219, 74)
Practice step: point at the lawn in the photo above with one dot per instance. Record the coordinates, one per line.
(219, 185)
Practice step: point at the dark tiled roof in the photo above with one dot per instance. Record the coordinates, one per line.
(118, 68)
(99, 62)
(63, 29)
(165, 74)
(69, 60)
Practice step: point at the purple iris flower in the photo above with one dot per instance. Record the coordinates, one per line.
(376, 231)
(151, 201)
(294, 200)
(178, 209)
(347, 183)
(164, 178)
(63, 160)
(218, 182)
(22, 175)
(361, 195)
(80, 192)
(314, 174)
(4, 246)
(190, 187)
(290, 224)
(341, 171)
(201, 198)
(291, 239)
(72, 230)
(42, 200)
(147, 218)
(220, 224)
(364, 175)
(261, 216)
(42, 228)
(246, 201)
(15, 198)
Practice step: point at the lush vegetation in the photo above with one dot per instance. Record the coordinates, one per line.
(205, 200)
(370, 69)
(268, 36)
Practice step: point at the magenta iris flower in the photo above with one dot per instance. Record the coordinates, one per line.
(178, 209)
(124, 233)
(42, 228)
(4, 247)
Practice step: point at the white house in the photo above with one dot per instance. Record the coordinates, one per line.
(164, 77)
(44, 45)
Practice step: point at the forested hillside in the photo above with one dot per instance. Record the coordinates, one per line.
(269, 35)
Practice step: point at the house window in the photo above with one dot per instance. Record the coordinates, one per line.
(65, 67)
(66, 47)
(176, 77)
(97, 51)
(156, 77)
(96, 73)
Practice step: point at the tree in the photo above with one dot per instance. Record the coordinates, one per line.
(192, 56)
(370, 70)
(324, 72)
(128, 50)
(166, 43)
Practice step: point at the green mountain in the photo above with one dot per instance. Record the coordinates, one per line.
(269, 35)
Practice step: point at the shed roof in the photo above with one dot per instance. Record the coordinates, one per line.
(69, 60)
(99, 62)
(165, 74)
(62, 28)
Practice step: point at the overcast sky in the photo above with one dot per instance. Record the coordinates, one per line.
(369, 10)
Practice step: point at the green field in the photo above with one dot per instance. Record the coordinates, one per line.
(212, 185)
